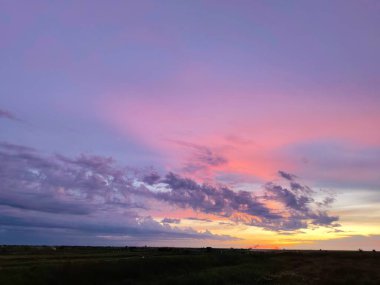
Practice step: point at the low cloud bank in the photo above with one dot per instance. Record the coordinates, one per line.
(94, 194)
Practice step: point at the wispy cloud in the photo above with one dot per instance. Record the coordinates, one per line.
(170, 221)
(286, 175)
(8, 115)
(336, 163)
(353, 242)
(201, 157)
(199, 219)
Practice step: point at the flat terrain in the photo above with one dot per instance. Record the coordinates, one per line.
(111, 265)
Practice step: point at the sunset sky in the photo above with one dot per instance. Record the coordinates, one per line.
(190, 123)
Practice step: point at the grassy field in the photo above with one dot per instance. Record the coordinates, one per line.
(110, 265)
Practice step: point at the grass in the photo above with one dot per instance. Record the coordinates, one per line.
(108, 265)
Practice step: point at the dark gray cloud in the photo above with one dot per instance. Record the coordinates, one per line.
(327, 201)
(137, 227)
(171, 221)
(321, 218)
(199, 219)
(301, 206)
(298, 201)
(223, 201)
(151, 178)
(44, 202)
(286, 175)
(226, 224)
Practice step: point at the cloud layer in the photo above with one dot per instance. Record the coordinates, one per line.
(89, 194)
(296, 207)
(94, 195)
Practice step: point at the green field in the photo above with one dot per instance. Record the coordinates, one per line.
(130, 265)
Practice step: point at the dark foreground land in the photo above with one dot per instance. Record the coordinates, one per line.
(109, 265)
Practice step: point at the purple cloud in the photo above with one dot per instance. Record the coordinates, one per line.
(291, 199)
(151, 178)
(170, 221)
(8, 115)
(301, 205)
(199, 219)
(145, 228)
(89, 185)
(300, 208)
(223, 201)
(201, 157)
(76, 194)
(286, 175)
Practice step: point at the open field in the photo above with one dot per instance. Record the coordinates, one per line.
(111, 265)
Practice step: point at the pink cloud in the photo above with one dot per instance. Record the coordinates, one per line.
(246, 125)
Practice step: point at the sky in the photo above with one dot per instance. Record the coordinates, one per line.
(251, 124)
